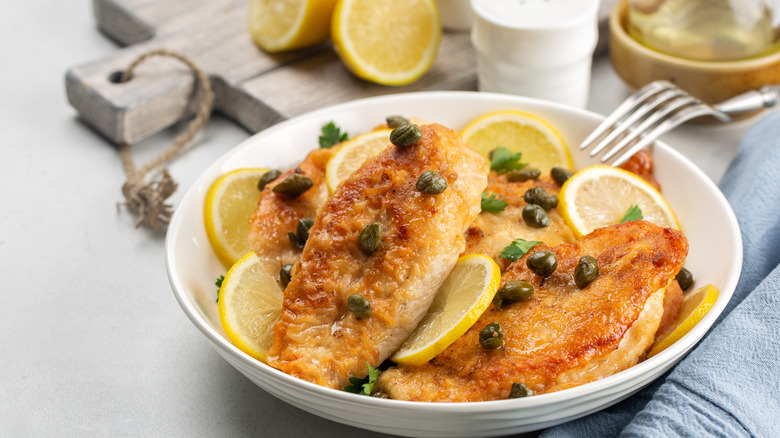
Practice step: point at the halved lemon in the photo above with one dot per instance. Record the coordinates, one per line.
(277, 25)
(353, 153)
(692, 309)
(601, 195)
(250, 303)
(459, 302)
(390, 42)
(541, 145)
(229, 205)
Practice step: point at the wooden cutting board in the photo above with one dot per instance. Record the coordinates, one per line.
(254, 88)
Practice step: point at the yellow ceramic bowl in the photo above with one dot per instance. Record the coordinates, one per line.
(710, 81)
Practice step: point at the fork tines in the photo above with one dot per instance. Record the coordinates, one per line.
(653, 110)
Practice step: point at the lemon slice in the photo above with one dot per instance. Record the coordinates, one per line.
(459, 302)
(353, 153)
(541, 145)
(692, 309)
(601, 195)
(250, 303)
(277, 25)
(390, 42)
(230, 202)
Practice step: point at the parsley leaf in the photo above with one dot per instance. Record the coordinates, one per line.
(492, 203)
(517, 249)
(218, 283)
(634, 213)
(363, 386)
(503, 160)
(331, 135)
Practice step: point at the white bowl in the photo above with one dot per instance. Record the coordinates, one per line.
(707, 219)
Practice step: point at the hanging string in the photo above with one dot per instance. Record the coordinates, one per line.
(147, 199)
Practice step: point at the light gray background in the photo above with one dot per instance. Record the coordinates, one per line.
(93, 342)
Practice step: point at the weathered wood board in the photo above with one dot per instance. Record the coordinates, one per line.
(254, 88)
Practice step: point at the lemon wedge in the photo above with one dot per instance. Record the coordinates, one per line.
(229, 205)
(250, 303)
(353, 153)
(459, 302)
(389, 42)
(692, 309)
(278, 25)
(541, 145)
(601, 195)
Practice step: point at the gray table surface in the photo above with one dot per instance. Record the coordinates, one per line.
(93, 341)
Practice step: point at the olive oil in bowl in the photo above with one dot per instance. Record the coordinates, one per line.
(705, 30)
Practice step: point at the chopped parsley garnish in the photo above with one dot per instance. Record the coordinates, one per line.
(492, 203)
(218, 283)
(517, 249)
(503, 160)
(634, 213)
(332, 135)
(365, 385)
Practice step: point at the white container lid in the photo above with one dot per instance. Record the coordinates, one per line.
(535, 32)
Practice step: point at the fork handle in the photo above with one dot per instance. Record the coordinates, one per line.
(754, 100)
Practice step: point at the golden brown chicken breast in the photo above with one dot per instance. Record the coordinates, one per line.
(491, 232)
(562, 335)
(318, 338)
(277, 214)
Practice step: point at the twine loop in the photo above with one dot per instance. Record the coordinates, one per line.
(147, 199)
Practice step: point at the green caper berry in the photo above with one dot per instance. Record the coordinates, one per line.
(542, 263)
(285, 275)
(267, 177)
(303, 227)
(396, 121)
(380, 394)
(684, 278)
(370, 237)
(524, 174)
(491, 336)
(586, 271)
(535, 216)
(539, 196)
(511, 292)
(359, 306)
(295, 240)
(405, 135)
(560, 175)
(294, 185)
(520, 390)
(431, 183)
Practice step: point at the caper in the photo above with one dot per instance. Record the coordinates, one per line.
(684, 278)
(431, 183)
(491, 336)
(302, 228)
(268, 177)
(560, 175)
(380, 394)
(535, 216)
(512, 291)
(539, 196)
(586, 271)
(520, 390)
(285, 275)
(359, 306)
(396, 121)
(294, 185)
(405, 135)
(542, 263)
(371, 237)
(524, 174)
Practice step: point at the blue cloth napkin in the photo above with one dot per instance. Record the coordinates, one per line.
(729, 385)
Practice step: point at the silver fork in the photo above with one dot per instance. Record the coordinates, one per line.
(659, 107)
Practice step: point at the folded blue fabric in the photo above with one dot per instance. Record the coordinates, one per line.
(729, 385)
